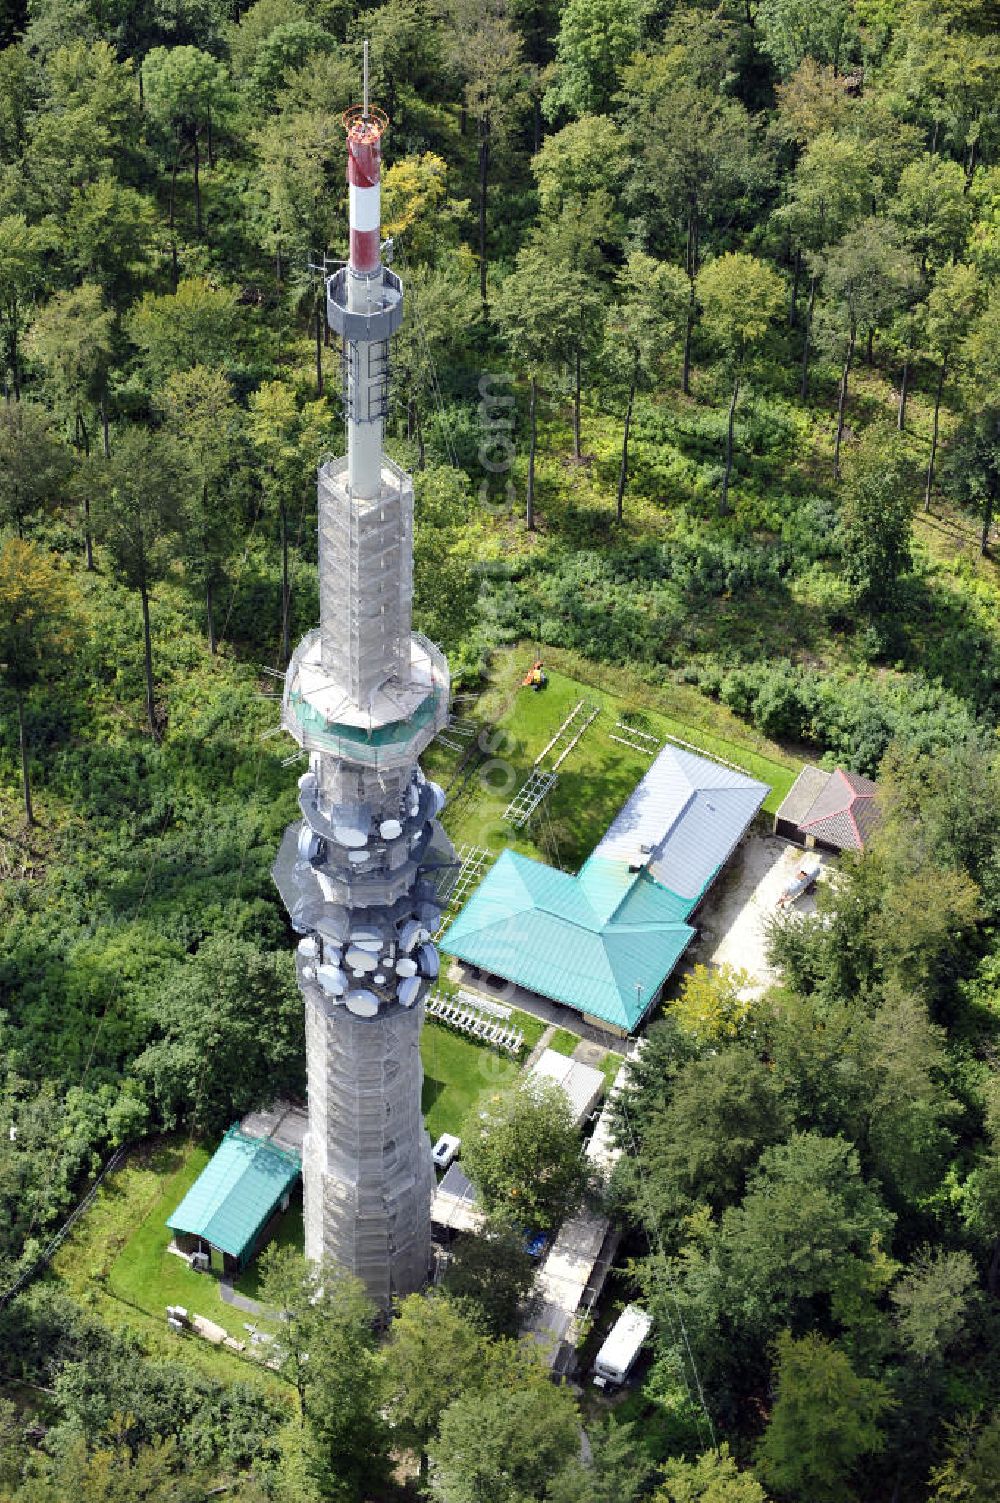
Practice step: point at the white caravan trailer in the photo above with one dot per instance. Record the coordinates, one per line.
(614, 1361)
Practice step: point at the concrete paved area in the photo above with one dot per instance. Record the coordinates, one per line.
(733, 920)
(230, 1296)
(539, 1007)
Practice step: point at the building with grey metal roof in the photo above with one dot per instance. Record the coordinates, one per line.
(683, 821)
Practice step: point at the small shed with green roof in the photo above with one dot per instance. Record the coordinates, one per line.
(240, 1193)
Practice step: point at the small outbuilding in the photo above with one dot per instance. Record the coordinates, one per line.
(581, 1084)
(829, 811)
(233, 1205)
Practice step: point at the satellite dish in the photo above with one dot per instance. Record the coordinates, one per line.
(307, 782)
(363, 1004)
(428, 961)
(308, 973)
(390, 829)
(378, 979)
(308, 844)
(437, 793)
(307, 948)
(406, 967)
(409, 990)
(350, 836)
(358, 858)
(410, 935)
(332, 979)
(360, 960)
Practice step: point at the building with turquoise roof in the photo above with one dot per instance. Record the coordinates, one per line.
(604, 942)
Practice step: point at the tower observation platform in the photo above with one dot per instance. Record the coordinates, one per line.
(364, 696)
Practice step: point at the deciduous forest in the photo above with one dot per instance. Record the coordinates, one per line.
(700, 382)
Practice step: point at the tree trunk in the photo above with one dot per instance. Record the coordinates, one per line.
(724, 503)
(576, 405)
(793, 296)
(810, 305)
(691, 266)
(197, 188)
(869, 355)
(532, 435)
(29, 813)
(210, 614)
(988, 505)
(993, 1276)
(319, 352)
(147, 643)
(88, 541)
(15, 373)
(411, 418)
(286, 641)
(105, 433)
(170, 224)
(904, 390)
(623, 467)
(970, 170)
(211, 141)
(934, 435)
(484, 168)
(842, 407)
(421, 453)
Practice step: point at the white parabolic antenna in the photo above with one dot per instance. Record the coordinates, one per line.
(363, 1004)
(332, 979)
(428, 959)
(409, 990)
(350, 835)
(360, 960)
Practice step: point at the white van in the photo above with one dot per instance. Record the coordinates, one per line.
(615, 1359)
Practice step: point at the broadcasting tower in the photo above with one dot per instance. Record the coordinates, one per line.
(364, 695)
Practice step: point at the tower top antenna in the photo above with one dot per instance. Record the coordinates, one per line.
(365, 93)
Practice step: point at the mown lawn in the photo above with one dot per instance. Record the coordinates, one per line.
(145, 1274)
(459, 1074)
(563, 1041)
(116, 1260)
(600, 772)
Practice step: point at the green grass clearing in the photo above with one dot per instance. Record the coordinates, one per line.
(115, 1261)
(147, 1275)
(597, 776)
(563, 1041)
(459, 1075)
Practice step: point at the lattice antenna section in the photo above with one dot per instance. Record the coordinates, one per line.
(636, 740)
(541, 780)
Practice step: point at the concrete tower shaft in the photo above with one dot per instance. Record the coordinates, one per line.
(364, 695)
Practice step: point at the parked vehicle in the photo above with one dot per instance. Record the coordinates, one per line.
(445, 1150)
(617, 1356)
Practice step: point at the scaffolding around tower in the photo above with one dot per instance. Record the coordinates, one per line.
(364, 695)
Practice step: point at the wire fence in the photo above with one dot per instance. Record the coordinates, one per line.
(53, 1245)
